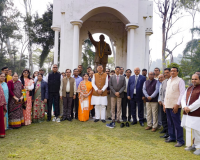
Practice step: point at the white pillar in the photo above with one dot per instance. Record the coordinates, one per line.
(147, 51)
(130, 44)
(56, 36)
(77, 25)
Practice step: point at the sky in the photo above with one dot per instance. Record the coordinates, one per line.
(155, 40)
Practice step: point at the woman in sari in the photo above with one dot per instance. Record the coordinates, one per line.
(3, 111)
(28, 85)
(40, 99)
(85, 94)
(5, 90)
(15, 110)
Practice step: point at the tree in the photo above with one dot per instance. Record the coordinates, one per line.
(168, 12)
(87, 55)
(42, 33)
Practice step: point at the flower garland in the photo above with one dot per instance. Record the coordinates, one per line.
(101, 55)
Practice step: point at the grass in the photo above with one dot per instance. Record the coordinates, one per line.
(87, 140)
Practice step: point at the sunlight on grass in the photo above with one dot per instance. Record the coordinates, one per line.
(87, 140)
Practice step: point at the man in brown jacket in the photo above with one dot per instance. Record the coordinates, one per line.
(67, 93)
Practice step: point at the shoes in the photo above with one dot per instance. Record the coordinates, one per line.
(63, 119)
(153, 130)
(169, 140)
(103, 121)
(127, 124)
(148, 128)
(145, 120)
(122, 125)
(118, 121)
(133, 123)
(76, 117)
(164, 136)
(142, 124)
(69, 119)
(159, 127)
(178, 145)
(197, 152)
(109, 118)
(96, 120)
(48, 120)
(163, 131)
(111, 125)
(190, 148)
(58, 120)
(54, 119)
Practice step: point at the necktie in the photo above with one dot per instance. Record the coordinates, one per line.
(117, 79)
(136, 78)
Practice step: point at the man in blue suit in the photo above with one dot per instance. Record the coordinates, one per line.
(135, 95)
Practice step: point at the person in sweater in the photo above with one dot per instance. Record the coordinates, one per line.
(151, 90)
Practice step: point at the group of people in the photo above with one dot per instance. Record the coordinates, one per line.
(114, 95)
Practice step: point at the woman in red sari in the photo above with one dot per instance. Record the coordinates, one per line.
(3, 111)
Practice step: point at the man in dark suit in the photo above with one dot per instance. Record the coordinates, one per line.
(135, 95)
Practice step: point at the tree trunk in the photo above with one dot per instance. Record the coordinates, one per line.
(9, 50)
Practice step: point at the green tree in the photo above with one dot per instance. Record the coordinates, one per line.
(87, 55)
(42, 33)
(180, 74)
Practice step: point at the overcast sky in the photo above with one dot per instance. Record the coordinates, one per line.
(155, 40)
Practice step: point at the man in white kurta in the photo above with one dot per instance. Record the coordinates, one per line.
(191, 115)
(99, 96)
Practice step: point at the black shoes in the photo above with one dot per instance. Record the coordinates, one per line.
(122, 125)
(127, 124)
(63, 119)
(96, 120)
(69, 119)
(103, 121)
(48, 120)
(109, 118)
(165, 136)
(163, 131)
(142, 124)
(133, 123)
(169, 140)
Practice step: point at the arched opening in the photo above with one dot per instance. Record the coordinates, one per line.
(109, 10)
(88, 52)
(110, 25)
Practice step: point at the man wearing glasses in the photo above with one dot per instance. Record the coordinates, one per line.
(54, 80)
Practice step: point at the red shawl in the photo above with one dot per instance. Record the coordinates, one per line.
(2, 99)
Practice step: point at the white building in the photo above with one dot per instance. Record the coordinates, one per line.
(127, 22)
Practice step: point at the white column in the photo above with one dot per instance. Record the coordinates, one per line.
(77, 25)
(130, 44)
(147, 50)
(56, 36)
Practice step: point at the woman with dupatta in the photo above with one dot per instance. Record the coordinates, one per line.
(28, 85)
(3, 111)
(15, 110)
(85, 94)
(40, 99)
(6, 94)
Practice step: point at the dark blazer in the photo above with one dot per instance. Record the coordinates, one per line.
(139, 86)
(44, 90)
(114, 87)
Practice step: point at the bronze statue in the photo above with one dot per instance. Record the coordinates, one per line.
(102, 51)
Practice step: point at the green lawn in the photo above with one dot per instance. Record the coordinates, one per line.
(87, 140)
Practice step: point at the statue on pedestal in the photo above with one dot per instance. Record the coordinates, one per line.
(102, 51)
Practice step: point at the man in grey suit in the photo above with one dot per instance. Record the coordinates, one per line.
(117, 86)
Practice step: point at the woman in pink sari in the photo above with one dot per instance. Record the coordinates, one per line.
(28, 84)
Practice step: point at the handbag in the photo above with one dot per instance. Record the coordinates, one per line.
(19, 102)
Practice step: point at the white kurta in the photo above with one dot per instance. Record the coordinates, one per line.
(99, 100)
(190, 121)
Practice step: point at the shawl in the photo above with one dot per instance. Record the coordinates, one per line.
(2, 99)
